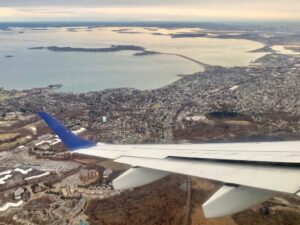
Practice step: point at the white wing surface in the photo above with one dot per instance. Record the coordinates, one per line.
(251, 172)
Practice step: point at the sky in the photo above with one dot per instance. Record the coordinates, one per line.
(149, 10)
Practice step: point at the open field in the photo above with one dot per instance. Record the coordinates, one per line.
(8, 136)
(13, 144)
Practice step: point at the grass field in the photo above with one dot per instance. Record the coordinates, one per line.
(8, 136)
(13, 144)
(3, 97)
(237, 122)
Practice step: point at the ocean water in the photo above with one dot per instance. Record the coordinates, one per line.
(81, 72)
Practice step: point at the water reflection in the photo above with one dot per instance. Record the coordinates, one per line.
(95, 71)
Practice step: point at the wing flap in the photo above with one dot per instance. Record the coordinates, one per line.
(273, 178)
(136, 177)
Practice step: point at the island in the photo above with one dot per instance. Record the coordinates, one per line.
(188, 35)
(145, 53)
(112, 48)
(36, 48)
(263, 49)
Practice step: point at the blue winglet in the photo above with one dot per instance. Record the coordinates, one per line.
(70, 140)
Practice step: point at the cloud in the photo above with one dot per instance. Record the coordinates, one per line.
(150, 10)
(99, 3)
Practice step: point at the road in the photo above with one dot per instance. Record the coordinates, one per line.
(187, 206)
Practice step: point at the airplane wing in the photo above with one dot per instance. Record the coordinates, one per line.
(251, 173)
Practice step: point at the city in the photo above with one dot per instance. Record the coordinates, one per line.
(38, 175)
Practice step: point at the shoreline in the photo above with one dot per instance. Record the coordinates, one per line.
(143, 53)
(112, 48)
(56, 87)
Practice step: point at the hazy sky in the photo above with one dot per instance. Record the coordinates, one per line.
(177, 10)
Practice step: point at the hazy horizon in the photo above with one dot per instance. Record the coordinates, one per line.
(134, 10)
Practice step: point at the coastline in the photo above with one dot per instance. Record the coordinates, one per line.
(142, 51)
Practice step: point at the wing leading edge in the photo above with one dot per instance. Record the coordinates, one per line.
(251, 172)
